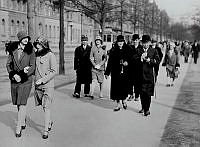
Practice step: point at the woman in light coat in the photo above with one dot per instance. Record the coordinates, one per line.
(46, 69)
(21, 66)
(98, 59)
(171, 61)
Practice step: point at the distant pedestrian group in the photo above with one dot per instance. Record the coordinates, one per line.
(130, 65)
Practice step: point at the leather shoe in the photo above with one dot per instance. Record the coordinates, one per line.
(50, 126)
(45, 135)
(24, 127)
(76, 95)
(136, 99)
(130, 98)
(116, 109)
(141, 111)
(124, 105)
(19, 135)
(147, 113)
(90, 96)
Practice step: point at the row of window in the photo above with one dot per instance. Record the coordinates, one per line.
(72, 33)
(14, 27)
(18, 5)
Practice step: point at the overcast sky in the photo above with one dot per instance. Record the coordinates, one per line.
(179, 9)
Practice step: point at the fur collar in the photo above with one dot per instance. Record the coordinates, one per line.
(14, 45)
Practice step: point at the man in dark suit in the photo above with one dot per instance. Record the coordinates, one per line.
(134, 81)
(149, 58)
(83, 66)
(160, 54)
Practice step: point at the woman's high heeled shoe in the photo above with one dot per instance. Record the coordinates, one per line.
(24, 127)
(45, 135)
(124, 105)
(19, 134)
(50, 126)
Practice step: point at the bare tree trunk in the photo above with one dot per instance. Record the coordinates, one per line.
(30, 17)
(61, 41)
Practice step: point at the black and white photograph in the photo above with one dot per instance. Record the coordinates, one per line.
(99, 73)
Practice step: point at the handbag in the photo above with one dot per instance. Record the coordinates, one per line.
(169, 67)
(176, 72)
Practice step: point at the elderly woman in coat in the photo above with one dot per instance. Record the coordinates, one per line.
(21, 66)
(118, 67)
(46, 69)
(171, 62)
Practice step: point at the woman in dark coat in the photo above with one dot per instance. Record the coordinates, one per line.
(118, 68)
(149, 60)
(21, 66)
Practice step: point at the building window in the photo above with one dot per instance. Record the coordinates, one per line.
(24, 6)
(12, 28)
(3, 3)
(20, 5)
(104, 38)
(3, 23)
(17, 26)
(40, 29)
(46, 30)
(23, 26)
(54, 32)
(108, 38)
(58, 32)
(50, 32)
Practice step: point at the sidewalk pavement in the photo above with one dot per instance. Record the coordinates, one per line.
(90, 123)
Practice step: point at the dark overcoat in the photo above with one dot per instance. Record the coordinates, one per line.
(147, 71)
(83, 65)
(195, 50)
(135, 65)
(119, 77)
(20, 91)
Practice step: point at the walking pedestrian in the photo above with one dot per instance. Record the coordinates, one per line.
(46, 69)
(118, 67)
(171, 62)
(98, 59)
(21, 66)
(186, 51)
(160, 54)
(83, 67)
(195, 51)
(133, 71)
(149, 59)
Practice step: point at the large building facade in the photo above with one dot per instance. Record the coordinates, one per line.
(13, 17)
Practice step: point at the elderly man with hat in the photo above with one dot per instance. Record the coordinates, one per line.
(21, 66)
(118, 67)
(83, 66)
(134, 73)
(98, 59)
(148, 60)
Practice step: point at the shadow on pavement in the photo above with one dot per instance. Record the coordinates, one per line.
(8, 118)
(5, 102)
(104, 102)
(34, 125)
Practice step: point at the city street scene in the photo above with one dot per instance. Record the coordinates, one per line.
(99, 73)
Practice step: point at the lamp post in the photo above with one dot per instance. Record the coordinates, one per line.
(60, 4)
